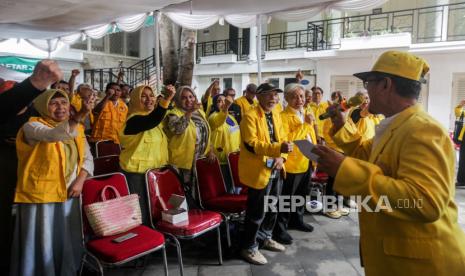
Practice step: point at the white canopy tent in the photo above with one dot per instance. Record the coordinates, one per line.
(47, 23)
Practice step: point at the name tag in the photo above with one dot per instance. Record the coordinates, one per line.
(233, 129)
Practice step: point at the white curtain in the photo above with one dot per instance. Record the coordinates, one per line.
(70, 39)
(357, 5)
(242, 21)
(48, 45)
(132, 23)
(298, 15)
(193, 21)
(98, 32)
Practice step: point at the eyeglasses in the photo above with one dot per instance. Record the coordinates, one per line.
(366, 82)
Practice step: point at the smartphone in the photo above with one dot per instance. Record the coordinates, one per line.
(269, 163)
(124, 237)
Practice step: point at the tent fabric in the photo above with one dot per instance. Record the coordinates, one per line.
(47, 23)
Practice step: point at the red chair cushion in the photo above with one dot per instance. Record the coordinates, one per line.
(108, 251)
(199, 221)
(227, 203)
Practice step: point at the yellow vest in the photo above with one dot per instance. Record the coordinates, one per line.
(245, 105)
(296, 130)
(254, 132)
(41, 168)
(225, 138)
(109, 122)
(76, 102)
(209, 105)
(317, 111)
(327, 126)
(181, 147)
(144, 150)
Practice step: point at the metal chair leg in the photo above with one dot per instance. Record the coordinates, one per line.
(228, 233)
(165, 260)
(220, 252)
(178, 251)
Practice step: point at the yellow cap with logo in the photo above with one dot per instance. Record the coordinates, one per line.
(401, 64)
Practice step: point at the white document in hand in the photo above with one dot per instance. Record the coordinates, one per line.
(305, 146)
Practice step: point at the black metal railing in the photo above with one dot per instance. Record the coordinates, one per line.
(141, 72)
(424, 24)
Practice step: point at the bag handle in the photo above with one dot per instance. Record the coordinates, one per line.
(115, 191)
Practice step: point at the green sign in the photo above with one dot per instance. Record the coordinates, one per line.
(23, 65)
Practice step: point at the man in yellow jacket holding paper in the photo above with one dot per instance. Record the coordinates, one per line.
(263, 153)
(298, 124)
(409, 224)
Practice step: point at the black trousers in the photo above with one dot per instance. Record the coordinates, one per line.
(136, 183)
(294, 184)
(258, 223)
(461, 171)
(9, 164)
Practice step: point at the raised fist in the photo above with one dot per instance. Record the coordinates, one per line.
(45, 73)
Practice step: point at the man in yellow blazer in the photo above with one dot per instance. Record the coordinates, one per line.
(405, 173)
(263, 152)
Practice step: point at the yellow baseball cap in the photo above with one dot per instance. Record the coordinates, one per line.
(401, 64)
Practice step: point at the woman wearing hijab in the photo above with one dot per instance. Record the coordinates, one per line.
(226, 136)
(144, 144)
(188, 133)
(53, 162)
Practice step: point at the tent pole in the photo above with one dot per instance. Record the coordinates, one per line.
(156, 23)
(259, 49)
(49, 50)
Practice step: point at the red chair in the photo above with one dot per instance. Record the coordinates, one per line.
(320, 179)
(213, 195)
(102, 250)
(106, 147)
(233, 163)
(161, 184)
(106, 164)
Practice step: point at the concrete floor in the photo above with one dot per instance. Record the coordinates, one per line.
(331, 249)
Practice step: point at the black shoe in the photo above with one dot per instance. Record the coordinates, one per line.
(283, 238)
(304, 227)
(460, 184)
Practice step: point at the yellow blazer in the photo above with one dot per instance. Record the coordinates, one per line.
(254, 134)
(412, 164)
(296, 130)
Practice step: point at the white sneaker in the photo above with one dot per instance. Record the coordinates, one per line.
(343, 211)
(253, 256)
(273, 245)
(314, 206)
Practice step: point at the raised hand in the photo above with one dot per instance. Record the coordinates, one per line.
(45, 73)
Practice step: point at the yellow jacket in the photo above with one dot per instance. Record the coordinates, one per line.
(181, 148)
(41, 168)
(245, 105)
(412, 165)
(254, 133)
(366, 125)
(109, 122)
(144, 150)
(319, 109)
(296, 130)
(327, 126)
(224, 138)
(458, 112)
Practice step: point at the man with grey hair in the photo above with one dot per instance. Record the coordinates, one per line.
(247, 101)
(298, 124)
